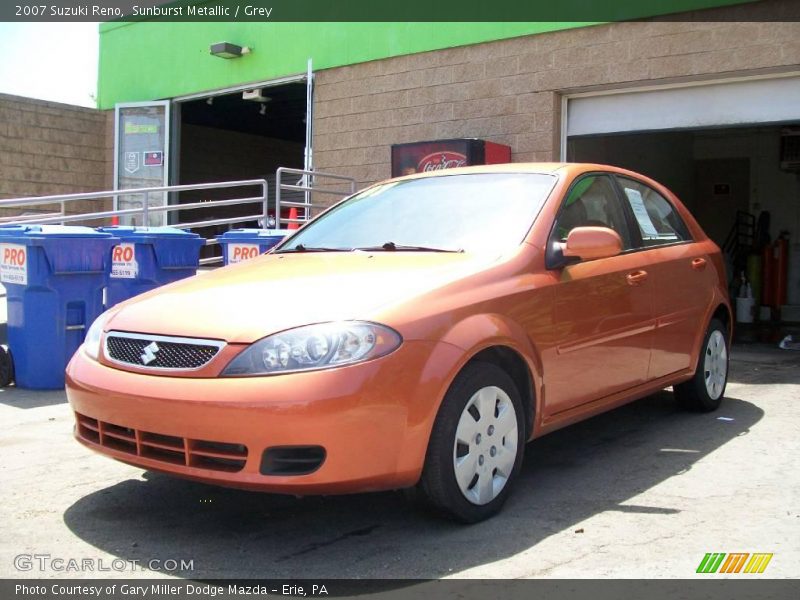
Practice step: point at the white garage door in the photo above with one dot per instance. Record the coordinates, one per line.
(751, 101)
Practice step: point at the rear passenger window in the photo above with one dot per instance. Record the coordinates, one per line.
(658, 222)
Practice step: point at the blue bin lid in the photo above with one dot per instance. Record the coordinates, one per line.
(174, 248)
(60, 231)
(252, 235)
(15, 230)
(128, 232)
(68, 248)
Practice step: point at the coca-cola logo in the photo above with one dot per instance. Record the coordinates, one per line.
(444, 159)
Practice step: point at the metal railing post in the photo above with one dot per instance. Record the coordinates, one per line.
(265, 193)
(278, 186)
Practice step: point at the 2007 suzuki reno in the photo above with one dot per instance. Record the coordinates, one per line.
(416, 334)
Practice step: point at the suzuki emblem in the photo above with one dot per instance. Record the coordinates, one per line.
(149, 353)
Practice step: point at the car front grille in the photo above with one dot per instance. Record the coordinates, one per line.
(160, 352)
(200, 454)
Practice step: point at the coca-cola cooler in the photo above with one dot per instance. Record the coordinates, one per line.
(418, 157)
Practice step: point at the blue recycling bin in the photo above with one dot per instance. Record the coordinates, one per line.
(148, 257)
(54, 277)
(243, 244)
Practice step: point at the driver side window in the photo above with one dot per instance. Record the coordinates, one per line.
(592, 202)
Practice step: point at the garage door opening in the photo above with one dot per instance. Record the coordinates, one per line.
(730, 149)
(239, 135)
(727, 177)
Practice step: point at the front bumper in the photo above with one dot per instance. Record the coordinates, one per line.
(372, 419)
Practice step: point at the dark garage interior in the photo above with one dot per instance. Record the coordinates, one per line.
(239, 135)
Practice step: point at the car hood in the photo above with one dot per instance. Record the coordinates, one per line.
(245, 302)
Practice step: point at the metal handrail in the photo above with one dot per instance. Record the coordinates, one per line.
(307, 205)
(16, 218)
(307, 177)
(145, 209)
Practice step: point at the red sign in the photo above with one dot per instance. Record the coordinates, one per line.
(418, 157)
(153, 159)
(444, 159)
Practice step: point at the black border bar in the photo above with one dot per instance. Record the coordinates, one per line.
(711, 588)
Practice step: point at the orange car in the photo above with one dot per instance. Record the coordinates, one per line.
(416, 334)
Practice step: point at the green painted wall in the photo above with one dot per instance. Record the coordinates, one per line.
(152, 60)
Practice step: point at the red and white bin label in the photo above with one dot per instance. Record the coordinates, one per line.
(13, 264)
(239, 252)
(123, 262)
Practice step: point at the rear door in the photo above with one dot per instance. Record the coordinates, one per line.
(681, 273)
(603, 308)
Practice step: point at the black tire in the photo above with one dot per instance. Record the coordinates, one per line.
(438, 486)
(694, 394)
(6, 367)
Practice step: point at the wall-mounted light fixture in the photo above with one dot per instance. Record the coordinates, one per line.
(228, 50)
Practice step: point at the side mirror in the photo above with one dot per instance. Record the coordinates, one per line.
(590, 243)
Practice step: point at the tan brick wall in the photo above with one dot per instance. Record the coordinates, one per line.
(510, 91)
(50, 148)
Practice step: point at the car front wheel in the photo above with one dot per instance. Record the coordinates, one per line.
(476, 446)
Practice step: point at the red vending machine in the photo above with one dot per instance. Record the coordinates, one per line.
(418, 157)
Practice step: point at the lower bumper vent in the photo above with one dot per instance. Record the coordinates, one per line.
(200, 454)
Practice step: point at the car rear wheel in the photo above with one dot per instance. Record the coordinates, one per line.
(476, 446)
(704, 391)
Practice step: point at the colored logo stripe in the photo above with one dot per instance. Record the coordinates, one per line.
(734, 562)
(713, 562)
(758, 563)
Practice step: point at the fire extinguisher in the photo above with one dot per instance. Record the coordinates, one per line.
(781, 266)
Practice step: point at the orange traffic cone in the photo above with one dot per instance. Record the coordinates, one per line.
(293, 215)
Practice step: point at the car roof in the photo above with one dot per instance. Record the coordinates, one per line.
(549, 168)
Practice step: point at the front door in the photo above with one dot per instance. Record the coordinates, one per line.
(141, 158)
(603, 308)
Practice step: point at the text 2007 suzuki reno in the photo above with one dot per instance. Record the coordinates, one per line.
(416, 334)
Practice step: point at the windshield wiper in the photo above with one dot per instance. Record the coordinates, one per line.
(302, 248)
(392, 247)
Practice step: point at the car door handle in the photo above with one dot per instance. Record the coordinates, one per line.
(636, 277)
(698, 264)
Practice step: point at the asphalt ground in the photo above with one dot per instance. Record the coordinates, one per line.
(644, 491)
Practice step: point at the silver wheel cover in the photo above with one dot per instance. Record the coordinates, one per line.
(485, 448)
(715, 365)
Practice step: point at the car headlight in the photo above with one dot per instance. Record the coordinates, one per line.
(91, 343)
(313, 347)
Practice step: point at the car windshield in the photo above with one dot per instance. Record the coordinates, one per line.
(486, 212)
